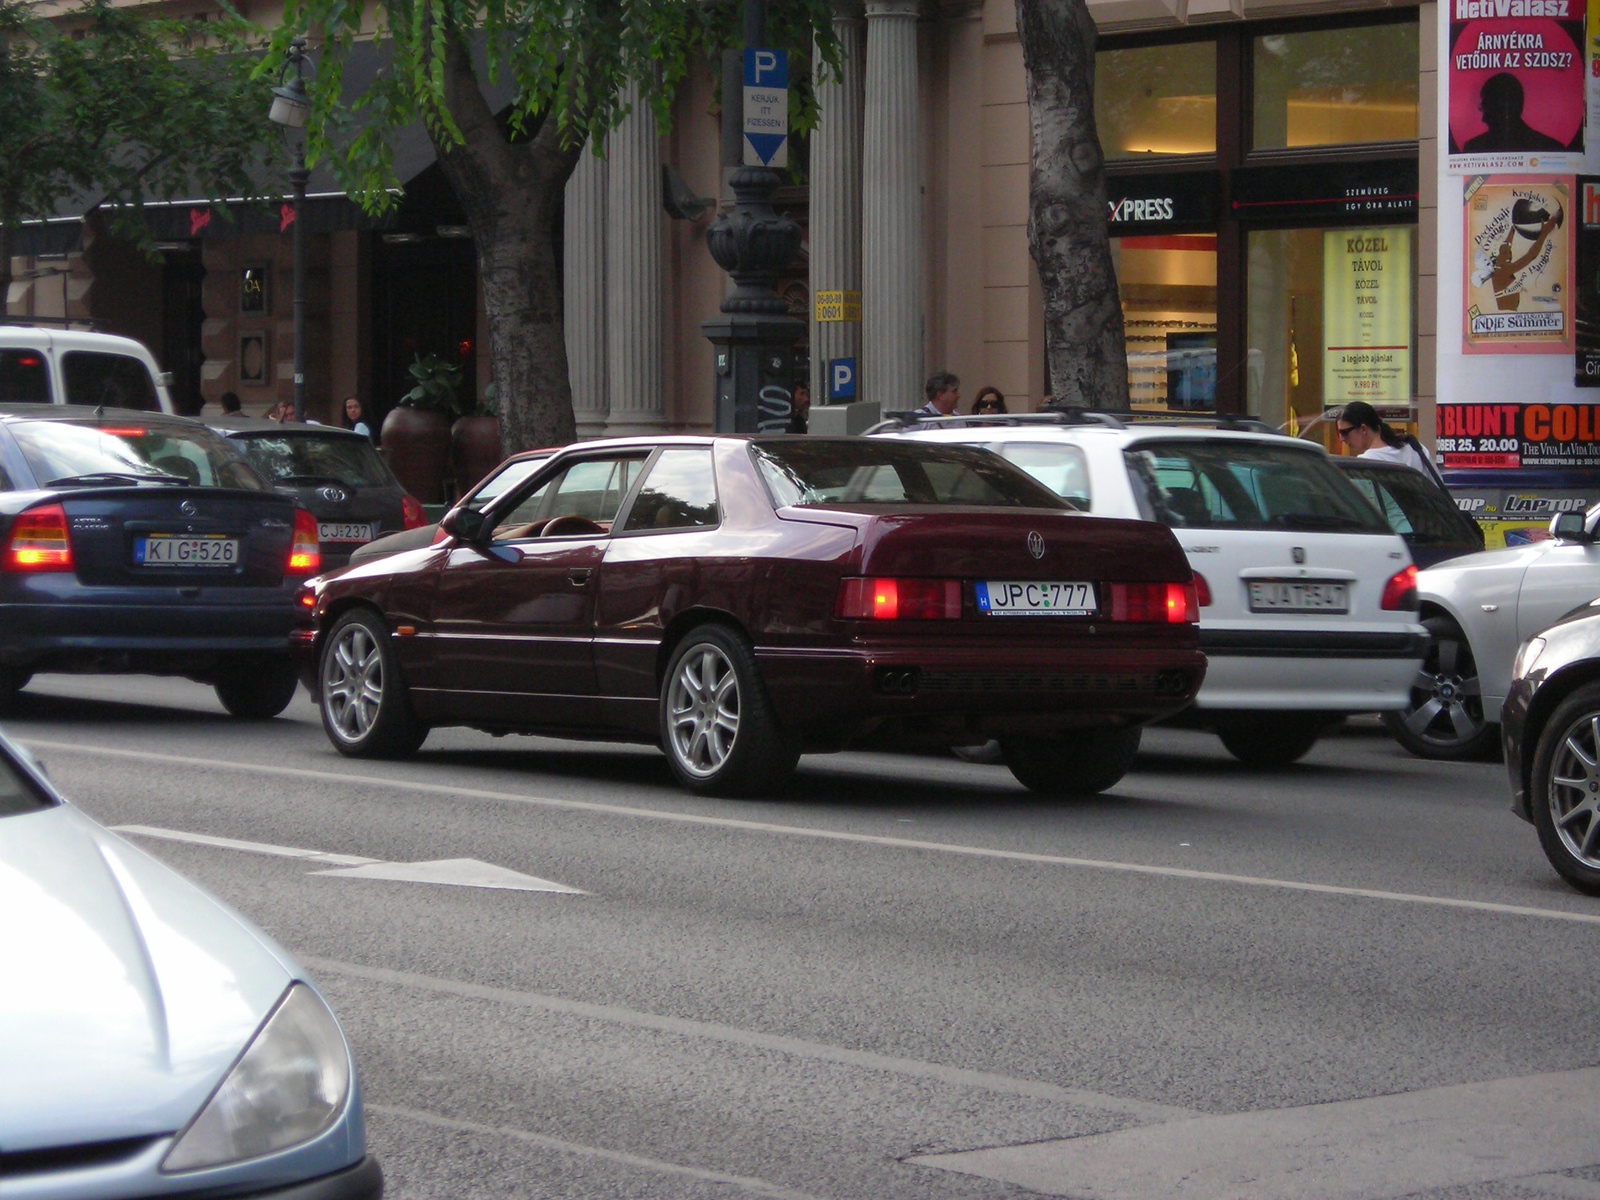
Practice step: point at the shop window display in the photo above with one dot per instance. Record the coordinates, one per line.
(1157, 100)
(1168, 286)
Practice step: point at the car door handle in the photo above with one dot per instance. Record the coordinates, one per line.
(579, 575)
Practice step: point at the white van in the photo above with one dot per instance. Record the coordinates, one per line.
(40, 365)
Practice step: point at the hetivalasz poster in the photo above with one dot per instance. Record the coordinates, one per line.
(1518, 261)
(1517, 100)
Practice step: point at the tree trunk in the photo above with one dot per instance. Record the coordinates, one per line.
(6, 242)
(512, 197)
(1068, 227)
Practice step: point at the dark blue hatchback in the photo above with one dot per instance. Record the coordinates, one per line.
(138, 542)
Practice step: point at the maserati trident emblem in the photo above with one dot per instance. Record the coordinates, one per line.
(1036, 544)
(188, 509)
(1298, 554)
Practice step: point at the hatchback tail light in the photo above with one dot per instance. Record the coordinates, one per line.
(1202, 590)
(899, 599)
(1400, 593)
(1157, 603)
(38, 541)
(411, 513)
(305, 551)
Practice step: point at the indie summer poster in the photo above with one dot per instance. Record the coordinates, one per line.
(1517, 95)
(1366, 315)
(1518, 294)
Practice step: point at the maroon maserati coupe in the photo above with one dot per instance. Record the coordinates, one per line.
(741, 601)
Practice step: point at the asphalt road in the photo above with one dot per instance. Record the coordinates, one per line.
(903, 979)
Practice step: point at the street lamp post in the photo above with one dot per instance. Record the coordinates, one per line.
(754, 338)
(291, 105)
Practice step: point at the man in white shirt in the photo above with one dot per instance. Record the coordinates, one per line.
(944, 393)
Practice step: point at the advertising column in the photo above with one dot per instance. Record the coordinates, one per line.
(1518, 438)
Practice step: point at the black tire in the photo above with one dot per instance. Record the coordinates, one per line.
(718, 727)
(12, 681)
(1073, 763)
(1270, 739)
(1567, 815)
(365, 704)
(1444, 720)
(257, 691)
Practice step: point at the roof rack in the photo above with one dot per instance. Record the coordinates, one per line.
(93, 323)
(1053, 416)
(1235, 422)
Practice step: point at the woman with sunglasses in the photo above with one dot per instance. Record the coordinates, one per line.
(1369, 436)
(990, 401)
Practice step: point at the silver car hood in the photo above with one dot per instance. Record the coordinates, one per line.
(128, 992)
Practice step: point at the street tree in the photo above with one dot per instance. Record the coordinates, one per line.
(103, 109)
(1068, 226)
(569, 65)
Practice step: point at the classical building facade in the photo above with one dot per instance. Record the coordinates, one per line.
(1242, 139)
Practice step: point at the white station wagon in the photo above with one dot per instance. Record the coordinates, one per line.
(1308, 600)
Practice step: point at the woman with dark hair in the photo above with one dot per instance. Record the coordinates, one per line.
(355, 417)
(1369, 436)
(990, 400)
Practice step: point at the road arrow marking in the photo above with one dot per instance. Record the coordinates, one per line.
(456, 872)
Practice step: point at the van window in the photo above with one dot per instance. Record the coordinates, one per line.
(1060, 467)
(112, 380)
(24, 377)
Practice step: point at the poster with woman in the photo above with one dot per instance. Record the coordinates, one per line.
(1518, 261)
(1517, 99)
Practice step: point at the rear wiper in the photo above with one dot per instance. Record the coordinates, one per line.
(112, 479)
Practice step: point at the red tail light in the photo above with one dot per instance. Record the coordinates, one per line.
(305, 552)
(1202, 590)
(38, 541)
(411, 510)
(899, 600)
(1400, 593)
(1160, 603)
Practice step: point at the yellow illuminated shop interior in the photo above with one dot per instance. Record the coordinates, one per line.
(1168, 285)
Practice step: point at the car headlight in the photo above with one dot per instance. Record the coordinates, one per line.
(290, 1084)
(1531, 649)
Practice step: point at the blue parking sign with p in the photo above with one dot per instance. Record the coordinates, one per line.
(842, 379)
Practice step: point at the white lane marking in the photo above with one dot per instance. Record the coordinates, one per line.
(205, 839)
(456, 872)
(619, 810)
(759, 1187)
(1396, 1145)
(795, 1047)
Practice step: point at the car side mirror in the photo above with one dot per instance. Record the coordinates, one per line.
(464, 523)
(1569, 527)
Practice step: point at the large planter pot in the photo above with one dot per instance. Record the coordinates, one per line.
(474, 450)
(418, 444)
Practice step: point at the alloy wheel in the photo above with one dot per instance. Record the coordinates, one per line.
(1447, 703)
(352, 682)
(703, 710)
(1574, 794)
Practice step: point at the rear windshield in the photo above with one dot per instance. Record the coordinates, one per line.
(62, 450)
(880, 471)
(108, 380)
(1228, 484)
(1060, 467)
(309, 459)
(1413, 506)
(24, 378)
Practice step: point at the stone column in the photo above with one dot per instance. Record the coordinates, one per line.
(635, 383)
(836, 197)
(583, 269)
(891, 216)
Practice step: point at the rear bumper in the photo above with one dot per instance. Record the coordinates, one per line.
(66, 635)
(1279, 670)
(986, 689)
